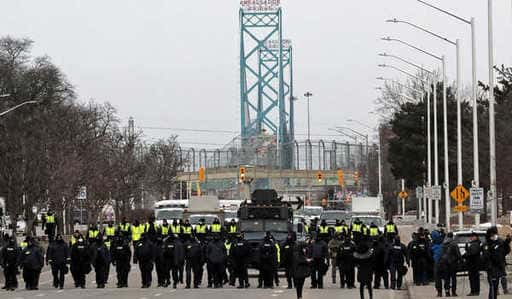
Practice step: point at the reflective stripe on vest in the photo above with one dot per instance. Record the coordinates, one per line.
(187, 230)
(323, 229)
(278, 251)
(50, 219)
(23, 244)
(73, 240)
(232, 229)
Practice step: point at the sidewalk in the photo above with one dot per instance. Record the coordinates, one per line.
(429, 291)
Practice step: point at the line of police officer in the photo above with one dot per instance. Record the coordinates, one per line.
(177, 247)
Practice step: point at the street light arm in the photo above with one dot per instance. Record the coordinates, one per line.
(407, 62)
(345, 134)
(353, 131)
(17, 106)
(359, 122)
(405, 72)
(445, 11)
(412, 46)
(423, 29)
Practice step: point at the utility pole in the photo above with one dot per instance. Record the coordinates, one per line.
(308, 95)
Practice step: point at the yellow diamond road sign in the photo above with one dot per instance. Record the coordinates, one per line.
(460, 194)
(403, 194)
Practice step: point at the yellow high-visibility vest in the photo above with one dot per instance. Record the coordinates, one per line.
(165, 230)
(93, 233)
(233, 229)
(50, 219)
(356, 228)
(306, 228)
(176, 229)
(124, 227)
(110, 231)
(374, 231)
(187, 230)
(23, 245)
(216, 228)
(137, 232)
(201, 229)
(390, 228)
(73, 240)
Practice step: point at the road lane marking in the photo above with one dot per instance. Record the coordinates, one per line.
(40, 295)
(158, 294)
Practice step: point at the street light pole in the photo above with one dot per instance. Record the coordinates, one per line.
(476, 163)
(17, 106)
(492, 133)
(308, 95)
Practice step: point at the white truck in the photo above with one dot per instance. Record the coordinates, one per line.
(366, 205)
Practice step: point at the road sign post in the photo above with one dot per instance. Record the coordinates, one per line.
(419, 197)
(476, 200)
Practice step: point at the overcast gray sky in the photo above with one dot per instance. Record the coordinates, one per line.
(171, 63)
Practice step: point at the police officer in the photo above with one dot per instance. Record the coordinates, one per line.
(176, 227)
(397, 258)
(217, 257)
(179, 261)
(267, 261)
(216, 228)
(32, 261)
(373, 231)
(320, 255)
(144, 256)
(10, 258)
(472, 257)
(57, 256)
(381, 251)
(50, 225)
(390, 230)
(494, 252)
(100, 261)
(345, 261)
(287, 255)
(450, 258)
(167, 260)
(240, 253)
(121, 257)
(80, 262)
(230, 275)
(419, 253)
(334, 245)
(194, 263)
(340, 227)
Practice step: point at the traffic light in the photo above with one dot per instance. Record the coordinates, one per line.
(202, 174)
(356, 177)
(242, 173)
(341, 180)
(319, 176)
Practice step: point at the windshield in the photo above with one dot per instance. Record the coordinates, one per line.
(464, 238)
(368, 220)
(312, 211)
(251, 236)
(334, 216)
(230, 214)
(168, 214)
(194, 219)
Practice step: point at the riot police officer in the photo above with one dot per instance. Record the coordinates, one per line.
(10, 258)
(80, 262)
(194, 262)
(57, 256)
(267, 261)
(100, 261)
(494, 252)
(397, 258)
(419, 253)
(217, 257)
(167, 260)
(50, 225)
(125, 229)
(472, 256)
(200, 230)
(160, 265)
(179, 261)
(320, 255)
(390, 230)
(323, 231)
(287, 254)
(240, 253)
(32, 261)
(121, 257)
(346, 264)
(381, 251)
(144, 256)
(92, 233)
